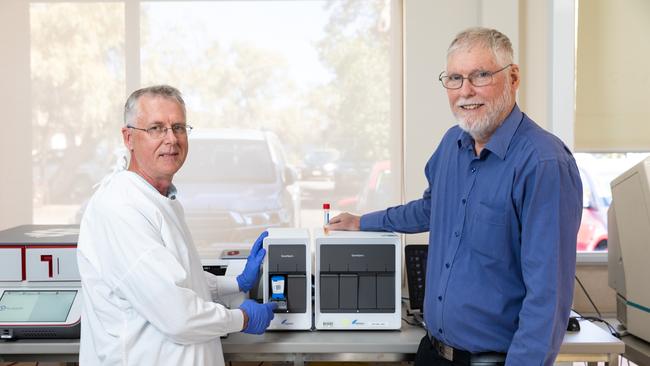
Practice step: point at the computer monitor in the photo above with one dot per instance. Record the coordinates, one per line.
(629, 248)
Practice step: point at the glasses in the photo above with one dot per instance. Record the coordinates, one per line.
(158, 132)
(476, 78)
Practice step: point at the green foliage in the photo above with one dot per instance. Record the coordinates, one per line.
(77, 68)
(357, 49)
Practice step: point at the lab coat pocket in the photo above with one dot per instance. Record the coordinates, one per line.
(489, 232)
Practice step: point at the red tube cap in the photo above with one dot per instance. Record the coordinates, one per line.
(326, 206)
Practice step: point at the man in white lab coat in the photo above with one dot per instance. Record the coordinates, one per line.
(146, 298)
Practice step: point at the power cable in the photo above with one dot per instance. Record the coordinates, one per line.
(588, 297)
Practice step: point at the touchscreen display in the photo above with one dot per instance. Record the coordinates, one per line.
(36, 305)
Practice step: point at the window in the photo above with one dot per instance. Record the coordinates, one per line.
(77, 70)
(597, 170)
(266, 83)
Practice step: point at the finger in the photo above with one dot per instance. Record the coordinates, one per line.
(259, 257)
(335, 219)
(272, 306)
(340, 224)
(259, 242)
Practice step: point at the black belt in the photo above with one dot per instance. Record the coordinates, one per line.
(460, 356)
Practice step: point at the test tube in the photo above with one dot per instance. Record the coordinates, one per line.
(326, 217)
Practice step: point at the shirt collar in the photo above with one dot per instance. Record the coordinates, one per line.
(500, 139)
(171, 192)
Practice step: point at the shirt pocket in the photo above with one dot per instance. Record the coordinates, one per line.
(489, 232)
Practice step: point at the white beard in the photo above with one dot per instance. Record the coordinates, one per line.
(482, 128)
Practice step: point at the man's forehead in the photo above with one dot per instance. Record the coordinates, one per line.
(159, 109)
(470, 59)
(151, 103)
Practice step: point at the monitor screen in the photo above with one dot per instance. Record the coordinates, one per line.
(35, 305)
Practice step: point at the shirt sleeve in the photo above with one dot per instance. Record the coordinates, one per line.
(410, 218)
(550, 218)
(153, 283)
(221, 285)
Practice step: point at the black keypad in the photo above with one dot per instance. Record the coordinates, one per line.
(416, 270)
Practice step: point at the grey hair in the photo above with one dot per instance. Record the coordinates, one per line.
(164, 91)
(491, 39)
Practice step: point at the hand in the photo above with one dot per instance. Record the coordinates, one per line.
(257, 317)
(344, 221)
(246, 279)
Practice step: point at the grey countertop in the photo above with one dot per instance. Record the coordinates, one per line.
(351, 345)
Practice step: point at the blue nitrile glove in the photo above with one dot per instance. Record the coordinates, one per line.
(246, 279)
(259, 315)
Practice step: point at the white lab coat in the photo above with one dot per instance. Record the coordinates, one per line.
(146, 298)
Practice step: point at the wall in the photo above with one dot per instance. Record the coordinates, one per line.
(15, 149)
(594, 279)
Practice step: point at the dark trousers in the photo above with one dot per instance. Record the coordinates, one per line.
(428, 356)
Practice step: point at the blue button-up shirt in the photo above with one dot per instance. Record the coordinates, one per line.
(502, 240)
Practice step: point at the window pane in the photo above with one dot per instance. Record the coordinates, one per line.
(315, 76)
(597, 170)
(77, 70)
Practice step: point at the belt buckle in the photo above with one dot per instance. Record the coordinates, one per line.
(445, 351)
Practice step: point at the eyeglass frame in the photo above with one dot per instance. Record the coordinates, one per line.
(469, 77)
(186, 130)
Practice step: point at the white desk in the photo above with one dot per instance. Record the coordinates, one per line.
(591, 344)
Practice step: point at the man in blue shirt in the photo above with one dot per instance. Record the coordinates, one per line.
(502, 209)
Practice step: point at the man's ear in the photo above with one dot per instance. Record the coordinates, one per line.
(514, 76)
(127, 137)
